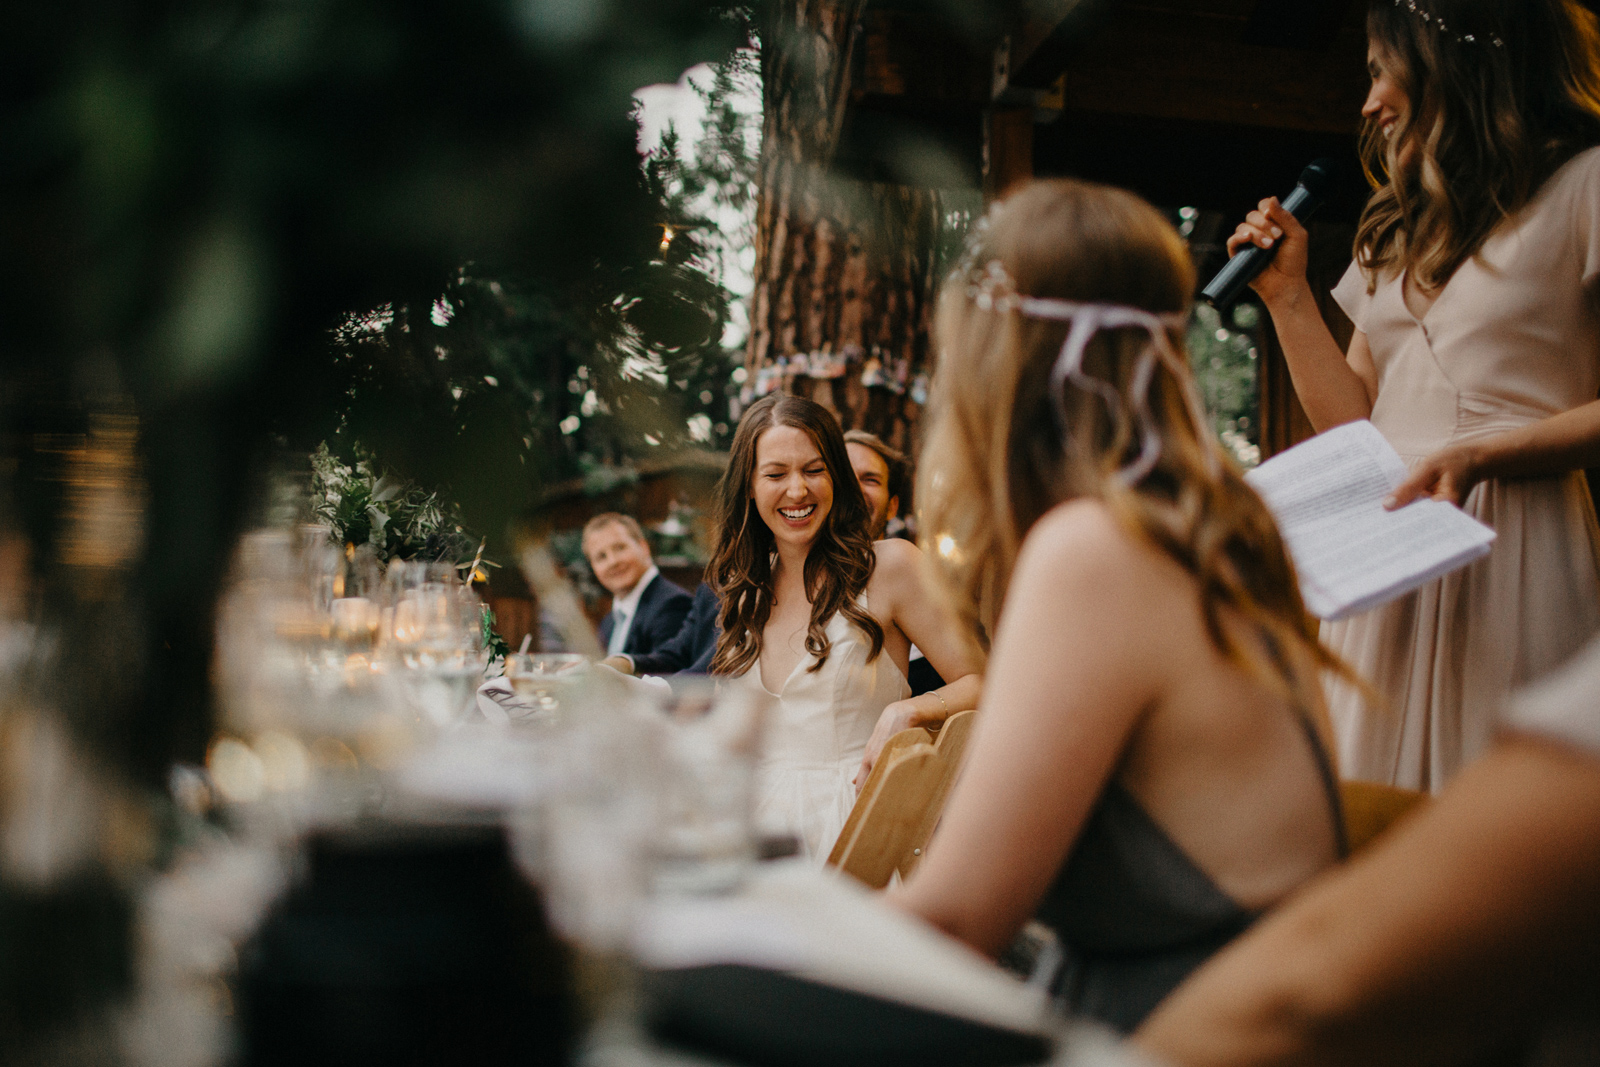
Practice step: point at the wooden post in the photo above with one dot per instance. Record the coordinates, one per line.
(1007, 150)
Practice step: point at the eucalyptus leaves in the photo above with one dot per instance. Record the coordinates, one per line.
(399, 519)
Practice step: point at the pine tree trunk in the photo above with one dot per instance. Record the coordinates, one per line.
(845, 270)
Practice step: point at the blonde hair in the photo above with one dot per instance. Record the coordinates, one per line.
(607, 518)
(998, 456)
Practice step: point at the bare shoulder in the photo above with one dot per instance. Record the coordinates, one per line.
(1081, 548)
(897, 557)
(1078, 530)
(896, 577)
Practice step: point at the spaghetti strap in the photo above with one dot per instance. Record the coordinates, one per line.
(1330, 779)
(1325, 770)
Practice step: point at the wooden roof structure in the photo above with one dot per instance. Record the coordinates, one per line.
(1185, 101)
(1205, 103)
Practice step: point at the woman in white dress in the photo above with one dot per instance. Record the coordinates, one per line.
(820, 619)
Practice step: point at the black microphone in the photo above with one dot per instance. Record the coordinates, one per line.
(1250, 261)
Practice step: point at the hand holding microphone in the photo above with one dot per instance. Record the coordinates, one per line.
(1273, 239)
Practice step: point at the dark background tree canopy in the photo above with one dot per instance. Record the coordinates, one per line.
(194, 194)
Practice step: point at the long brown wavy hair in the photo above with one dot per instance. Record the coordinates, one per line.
(838, 566)
(998, 456)
(1489, 120)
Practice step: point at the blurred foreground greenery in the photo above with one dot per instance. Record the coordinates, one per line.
(198, 198)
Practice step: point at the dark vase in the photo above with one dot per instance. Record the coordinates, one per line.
(407, 945)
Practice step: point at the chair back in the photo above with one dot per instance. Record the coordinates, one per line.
(1370, 809)
(894, 816)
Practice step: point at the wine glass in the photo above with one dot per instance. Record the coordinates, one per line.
(542, 680)
(437, 652)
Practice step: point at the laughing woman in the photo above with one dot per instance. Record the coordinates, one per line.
(817, 616)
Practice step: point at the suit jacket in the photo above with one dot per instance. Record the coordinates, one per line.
(691, 649)
(922, 677)
(662, 607)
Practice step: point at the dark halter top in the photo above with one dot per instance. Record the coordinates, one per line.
(1135, 914)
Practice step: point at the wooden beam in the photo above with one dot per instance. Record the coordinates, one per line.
(1045, 35)
(907, 54)
(1194, 68)
(1007, 150)
(1310, 25)
(1217, 166)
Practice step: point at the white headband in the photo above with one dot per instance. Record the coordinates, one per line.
(996, 292)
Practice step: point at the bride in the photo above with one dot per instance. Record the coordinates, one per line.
(819, 618)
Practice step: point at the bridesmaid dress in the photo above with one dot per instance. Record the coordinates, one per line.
(1514, 337)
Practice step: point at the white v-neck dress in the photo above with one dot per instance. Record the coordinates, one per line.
(1514, 337)
(817, 732)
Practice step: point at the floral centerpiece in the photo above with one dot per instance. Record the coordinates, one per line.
(398, 520)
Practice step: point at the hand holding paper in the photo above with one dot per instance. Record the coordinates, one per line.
(1327, 495)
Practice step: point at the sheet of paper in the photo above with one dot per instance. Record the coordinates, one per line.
(1351, 554)
(821, 925)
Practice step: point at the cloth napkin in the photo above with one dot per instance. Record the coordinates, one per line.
(499, 703)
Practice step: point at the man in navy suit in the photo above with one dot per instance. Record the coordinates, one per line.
(689, 652)
(646, 609)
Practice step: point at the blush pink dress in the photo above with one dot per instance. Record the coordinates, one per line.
(1514, 337)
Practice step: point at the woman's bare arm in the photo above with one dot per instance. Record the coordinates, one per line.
(1073, 669)
(1334, 387)
(1475, 918)
(922, 615)
(928, 623)
(1561, 443)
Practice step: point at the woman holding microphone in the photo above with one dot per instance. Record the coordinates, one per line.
(1476, 353)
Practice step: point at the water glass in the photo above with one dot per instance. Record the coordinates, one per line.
(355, 624)
(711, 741)
(438, 659)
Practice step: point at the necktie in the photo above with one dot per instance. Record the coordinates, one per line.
(619, 621)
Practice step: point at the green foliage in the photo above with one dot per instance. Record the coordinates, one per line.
(399, 519)
(531, 383)
(1224, 359)
(539, 381)
(493, 643)
(707, 194)
(195, 194)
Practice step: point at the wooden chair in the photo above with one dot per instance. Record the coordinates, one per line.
(899, 805)
(1371, 809)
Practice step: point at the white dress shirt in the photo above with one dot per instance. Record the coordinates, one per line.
(624, 608)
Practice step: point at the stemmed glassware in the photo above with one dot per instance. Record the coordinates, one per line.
(437, 646)
(334, 671)
(542, 680)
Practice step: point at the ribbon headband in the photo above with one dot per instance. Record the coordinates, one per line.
(995, 292)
